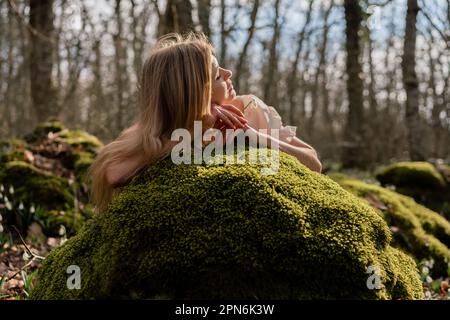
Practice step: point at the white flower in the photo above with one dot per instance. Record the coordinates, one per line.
(11, 189)
(1, 228)
(1, 195)
(2, 188)
(429, 279)
(26, 256)
(6, 199)
(8, 205)
(21, 206)
(32, 210)
(425, 270)
(62, 230)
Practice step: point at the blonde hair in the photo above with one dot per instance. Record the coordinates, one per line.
(174, 91)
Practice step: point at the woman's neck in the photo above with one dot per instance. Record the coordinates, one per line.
(238, 103)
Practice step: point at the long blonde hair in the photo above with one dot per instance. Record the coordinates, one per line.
(174, 91)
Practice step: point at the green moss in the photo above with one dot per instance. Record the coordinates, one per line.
(82, 165)
(226, 231)
(11, 150)
(35, 185)
(416, 229)
(43, 129)
(52, 220)
(80, 138)
(421, 175)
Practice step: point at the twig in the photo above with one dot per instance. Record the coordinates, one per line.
(26, 247)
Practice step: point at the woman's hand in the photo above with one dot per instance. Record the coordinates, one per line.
(224, 117)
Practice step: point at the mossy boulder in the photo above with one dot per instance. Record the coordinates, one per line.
(421, 180)
(226, 231)
(416, 229)
(80, 139)
(10, 150)
(411, 174)
(48, 171)
(35, 185)
(42, 130)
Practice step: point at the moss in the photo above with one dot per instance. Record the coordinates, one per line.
(82, 164)
(80, 139)
(226, 231)
(35, 185)
(421, 175)
(52, 220)
(11, 150)
(43, 129)
(416, 229)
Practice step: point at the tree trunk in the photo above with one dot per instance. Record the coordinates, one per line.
(353, 149)
(41, 35)
(223, 34)
(204, 11)
(292, 84)
(411, 85)
(320, 73)
(177, 17)
(243, 54)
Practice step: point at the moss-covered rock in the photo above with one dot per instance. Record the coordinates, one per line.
(80, 138)
(411, 174)
(51, 194)
(422, 181)
(226, 231)
(416, 229)
(40, 168)
(42, 130)
(35, 185)
(10, 150)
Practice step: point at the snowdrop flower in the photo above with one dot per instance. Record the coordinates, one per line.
(32, 210)
(11, 189)
(2, 188)
(425, 270)
(8, 205)
(1, 195)
(21, 206)
(62, 230)
(26, 256)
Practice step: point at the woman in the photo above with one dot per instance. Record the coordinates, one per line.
(261, 116)
(180, 83)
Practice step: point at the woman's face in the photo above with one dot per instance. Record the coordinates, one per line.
(222, 87)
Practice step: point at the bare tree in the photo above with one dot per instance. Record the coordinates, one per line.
(410, 82)
(243, 55)
(204, 11)
(320, 72)
(353, 148)
(271, 77)
(42, 46)
(177, 17)
(292, 82)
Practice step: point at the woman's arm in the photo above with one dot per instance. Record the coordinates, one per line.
(297, 148)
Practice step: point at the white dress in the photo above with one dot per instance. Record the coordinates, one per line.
(261, 116)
